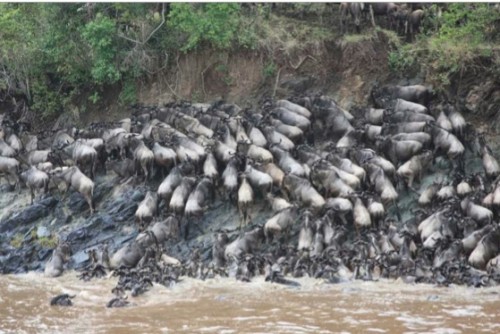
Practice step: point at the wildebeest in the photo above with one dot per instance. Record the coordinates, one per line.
(361, 216)
(147, 209)
(490, 164)
(62, 300)
(164, 157)
(414, 22)
(387, 9)
(6, 150)
(260, 181)
(83, 155)
(281, 222)
(306, 234)
(415, 167)
(326, 178)
(218, 248)
(60, 255)
(415, 93)
(143, 158)
(169, 184)
(245, 199)
(399, 150)
(35, 179)
(124, 168)
(165, 229)
(9, 167)
(301, 190)
(180, 194)
(487, 248)
(246, 243)
(254, 152)
(130, 254)
(353, 9)
(74, 178)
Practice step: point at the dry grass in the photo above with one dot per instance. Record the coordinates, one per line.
(288, 35)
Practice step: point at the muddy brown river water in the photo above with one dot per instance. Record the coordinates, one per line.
(227, 306)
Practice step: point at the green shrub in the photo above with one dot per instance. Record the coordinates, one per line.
(17, 241)
(269, 70)
(214, 23)
(128, 94)
(99, 34)
(449, 42)
(48, 242)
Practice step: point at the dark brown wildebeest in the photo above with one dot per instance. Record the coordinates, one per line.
(413, 23)
(383, 8)
(354, 9)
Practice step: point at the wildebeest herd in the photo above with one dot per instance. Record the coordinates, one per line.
(332, 178)
(404, 19)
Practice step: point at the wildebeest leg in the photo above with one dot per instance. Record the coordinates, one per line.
(90, 202)
(414, 190)
(65, 192)
(398, 212)
(32, 195)
(151, 169)
(461, 161)
(145, 170)
(287, 235)
(248, 218)
(242, 219)
(185, 227)
(344, 219)
(92, 168)
(122, 153)
(17, 184)
(198, 226)
(457, 166)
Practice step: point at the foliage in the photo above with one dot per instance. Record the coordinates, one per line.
(99, 35)
(403, 59)
(214, 23)
(48, 242)
(449, 42)
(50, 53)
(269, 70)
(467, 23)
(128, 94)
(17, 240)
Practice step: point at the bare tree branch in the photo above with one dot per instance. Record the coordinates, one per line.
(301, 62)
(276, 82)
(162, 22)
(152, 33)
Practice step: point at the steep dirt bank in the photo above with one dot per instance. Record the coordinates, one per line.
(343, 68)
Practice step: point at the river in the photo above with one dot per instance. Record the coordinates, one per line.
(228, 306)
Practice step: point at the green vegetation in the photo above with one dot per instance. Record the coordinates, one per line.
(17, 241)
(216, 24)
(48, 242)
(450, 42)
(269, 70)
(57, 55)
(52, 54)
